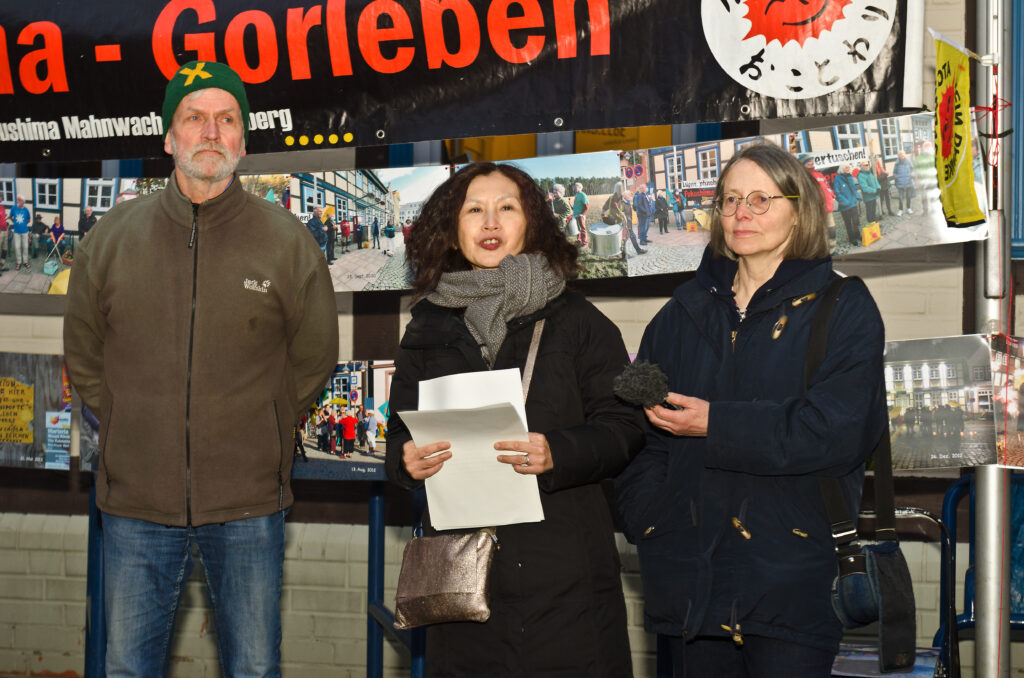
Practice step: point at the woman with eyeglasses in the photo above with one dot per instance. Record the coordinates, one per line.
(723, 502)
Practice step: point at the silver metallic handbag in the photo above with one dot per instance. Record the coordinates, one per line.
(445, 578)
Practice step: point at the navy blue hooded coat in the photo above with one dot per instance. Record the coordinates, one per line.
(731, 528)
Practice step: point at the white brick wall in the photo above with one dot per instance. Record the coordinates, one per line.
(42, 594)
(42, 601)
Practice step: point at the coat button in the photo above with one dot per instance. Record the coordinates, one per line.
(780, 325)
(737, 637)
(804, 299)
(740, 528)
(649, 530)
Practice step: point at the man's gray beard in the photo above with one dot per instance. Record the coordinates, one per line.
(192, 170)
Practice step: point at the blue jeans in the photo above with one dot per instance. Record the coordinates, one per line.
(758, 657)
(145, 566)
(905, 194)
(643, 224)
(632, 237)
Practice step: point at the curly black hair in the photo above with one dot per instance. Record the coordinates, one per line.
(430, 248)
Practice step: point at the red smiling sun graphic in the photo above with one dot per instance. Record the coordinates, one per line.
(787, 20)
(947, 109)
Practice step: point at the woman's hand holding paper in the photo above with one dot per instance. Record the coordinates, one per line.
(533, 457)
(418, 460)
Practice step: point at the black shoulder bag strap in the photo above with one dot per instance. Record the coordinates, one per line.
(844, 528)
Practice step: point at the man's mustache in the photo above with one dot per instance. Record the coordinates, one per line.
(217, 148)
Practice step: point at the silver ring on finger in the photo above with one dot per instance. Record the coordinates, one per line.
(525, 463)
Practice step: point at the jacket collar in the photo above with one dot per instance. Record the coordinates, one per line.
(793, 278)
(212, 212)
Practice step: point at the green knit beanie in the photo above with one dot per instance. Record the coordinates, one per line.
(197, 75)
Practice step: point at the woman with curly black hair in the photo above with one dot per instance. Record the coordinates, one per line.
(490, 264)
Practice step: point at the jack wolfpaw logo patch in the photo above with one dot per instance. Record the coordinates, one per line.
(796, 49)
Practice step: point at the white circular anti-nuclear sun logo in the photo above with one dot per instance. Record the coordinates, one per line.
(796, 49)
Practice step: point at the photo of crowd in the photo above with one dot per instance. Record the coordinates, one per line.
(342, 435)
(940, 396)
(878, 180)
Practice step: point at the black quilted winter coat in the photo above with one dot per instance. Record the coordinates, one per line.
(557, 607)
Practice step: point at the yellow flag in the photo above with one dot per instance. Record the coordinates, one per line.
(953, 157)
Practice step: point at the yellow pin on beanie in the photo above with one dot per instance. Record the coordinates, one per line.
(197, 75)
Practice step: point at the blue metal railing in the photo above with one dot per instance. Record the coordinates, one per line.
(380, 620)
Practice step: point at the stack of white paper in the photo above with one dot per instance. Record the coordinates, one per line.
(473, 411)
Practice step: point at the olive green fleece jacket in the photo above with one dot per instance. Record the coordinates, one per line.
(198, 359)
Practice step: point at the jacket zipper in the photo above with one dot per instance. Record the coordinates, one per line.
(194, 246)
(280, 462)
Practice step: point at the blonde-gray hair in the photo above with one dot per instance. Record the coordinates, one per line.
(809, 239)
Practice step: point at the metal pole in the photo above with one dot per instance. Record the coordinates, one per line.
(992, 568)
(992, 552)
(95, 612)
(375, 582)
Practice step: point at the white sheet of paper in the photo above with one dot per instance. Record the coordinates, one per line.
(473, 411)
(474, 389)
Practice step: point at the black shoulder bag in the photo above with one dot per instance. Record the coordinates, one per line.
(873, 583)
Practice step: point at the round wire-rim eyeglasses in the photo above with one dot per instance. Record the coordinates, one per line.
(758, 202)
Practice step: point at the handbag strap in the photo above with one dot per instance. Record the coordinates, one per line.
(531, 357)
(844, 528)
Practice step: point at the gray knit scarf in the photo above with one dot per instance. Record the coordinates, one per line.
(521, 285)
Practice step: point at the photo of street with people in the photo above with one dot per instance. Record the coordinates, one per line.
(878, 180)
(1008, 396)
(578, 189)
(630, 213)
(342, 435)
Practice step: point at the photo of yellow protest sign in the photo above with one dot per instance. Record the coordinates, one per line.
(15, 411)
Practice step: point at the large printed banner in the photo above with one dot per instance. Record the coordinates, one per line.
(82, 84)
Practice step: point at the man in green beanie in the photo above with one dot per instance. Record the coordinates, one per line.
(200, 323)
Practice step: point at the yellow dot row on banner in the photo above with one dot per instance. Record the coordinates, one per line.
(317, 139)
